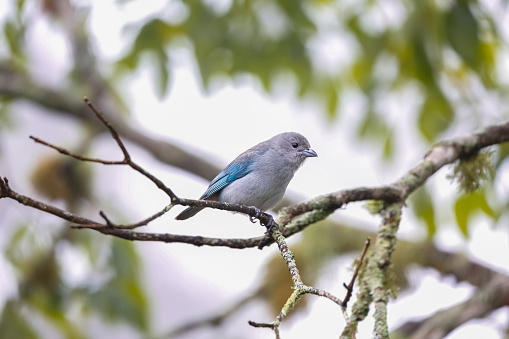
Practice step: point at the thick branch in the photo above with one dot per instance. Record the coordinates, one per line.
(440, 155)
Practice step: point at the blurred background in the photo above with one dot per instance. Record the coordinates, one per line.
(191, 84)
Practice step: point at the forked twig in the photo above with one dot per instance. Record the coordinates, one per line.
(349, 287)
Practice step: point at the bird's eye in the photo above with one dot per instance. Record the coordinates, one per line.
(295, 145)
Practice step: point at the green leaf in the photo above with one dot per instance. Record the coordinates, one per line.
(469, 204)
(14, 37)
(15, 325)
(372, 127)
(423, 209)
(123, 297)
(332, 101)
(152, 39)
(388, 146)
(436, 115)
(462, 33)
(503, 154)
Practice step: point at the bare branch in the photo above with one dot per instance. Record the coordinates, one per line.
(7, 192)
(296, 218)
(16, 85)
(114, 134)
(74, 155)
(349, 287)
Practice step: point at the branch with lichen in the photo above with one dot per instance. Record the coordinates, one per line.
(293, 219)
(109, 227)
(300, 289)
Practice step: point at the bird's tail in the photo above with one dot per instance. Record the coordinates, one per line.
(188, 213)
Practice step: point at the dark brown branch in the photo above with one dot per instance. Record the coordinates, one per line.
(7, 192)
(264, 218)
(113, 132)
(74, 155)
(349, 287)
(274, 327)
(127, 158)
(143, 222)
(320, 207)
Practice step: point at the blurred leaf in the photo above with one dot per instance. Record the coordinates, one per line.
(462, 33)
(436, 115)
(6, 121)
(467, 205)
(22, 248)
(20, 4)
(488, 72)
(373, 127)
(50, 306)
(152, 39)
(423, 209)
(332, 101)
(15, 37)
(503, 154)
(422, 58)
(123, 298)
(362, 69)
(14, 325)
(388, 146)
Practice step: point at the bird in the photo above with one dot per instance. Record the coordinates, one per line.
(259, 176)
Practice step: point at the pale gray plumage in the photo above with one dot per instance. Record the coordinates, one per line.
(259, 176)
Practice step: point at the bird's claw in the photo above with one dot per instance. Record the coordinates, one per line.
(270, 225)
(256, 216)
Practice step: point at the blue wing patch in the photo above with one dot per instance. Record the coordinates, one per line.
(231, 173)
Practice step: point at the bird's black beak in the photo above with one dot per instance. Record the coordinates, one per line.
(309, 153)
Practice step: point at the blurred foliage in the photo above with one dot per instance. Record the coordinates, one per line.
(110, 288)
(56, 177)
(423, 208)
(448, 52)
(430, 40)
(468, 205)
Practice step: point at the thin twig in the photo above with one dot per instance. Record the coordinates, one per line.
(114, 134)
(127, 158)
(273, 326)
(349, 287)
(74, 155)
(143, 222)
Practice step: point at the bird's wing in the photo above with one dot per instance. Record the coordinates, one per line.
(234, 171)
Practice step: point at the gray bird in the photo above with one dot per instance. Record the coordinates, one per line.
(259, 176)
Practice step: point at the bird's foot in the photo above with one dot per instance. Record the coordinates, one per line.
(271, 225)
(257, 215)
